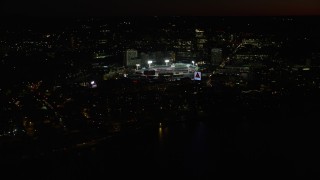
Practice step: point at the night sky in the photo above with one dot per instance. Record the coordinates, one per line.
(159, 7)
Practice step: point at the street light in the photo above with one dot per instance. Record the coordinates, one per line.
(138, 65)
(166, 61)
(193, 63)
(149, 62)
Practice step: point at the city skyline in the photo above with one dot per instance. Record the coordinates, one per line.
(159, 97)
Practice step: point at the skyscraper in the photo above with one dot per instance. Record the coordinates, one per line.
(130, 58)
(216, 56)
(200, 39)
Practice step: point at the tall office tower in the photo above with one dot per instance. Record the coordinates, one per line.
(216, 56)
(200, 39)
(130, 55)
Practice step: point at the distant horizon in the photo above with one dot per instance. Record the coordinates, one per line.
(18, 22)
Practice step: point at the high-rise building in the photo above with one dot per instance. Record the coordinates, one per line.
(200, 39)
(130, 58)
(216, 56)
(200, 45)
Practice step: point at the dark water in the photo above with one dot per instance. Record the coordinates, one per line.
(198, 150)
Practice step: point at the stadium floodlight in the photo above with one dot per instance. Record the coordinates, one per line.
(138, 65)
(166, 61)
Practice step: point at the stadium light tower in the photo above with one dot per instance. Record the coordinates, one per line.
(138, 65)
(149, 62)
(166, 61)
